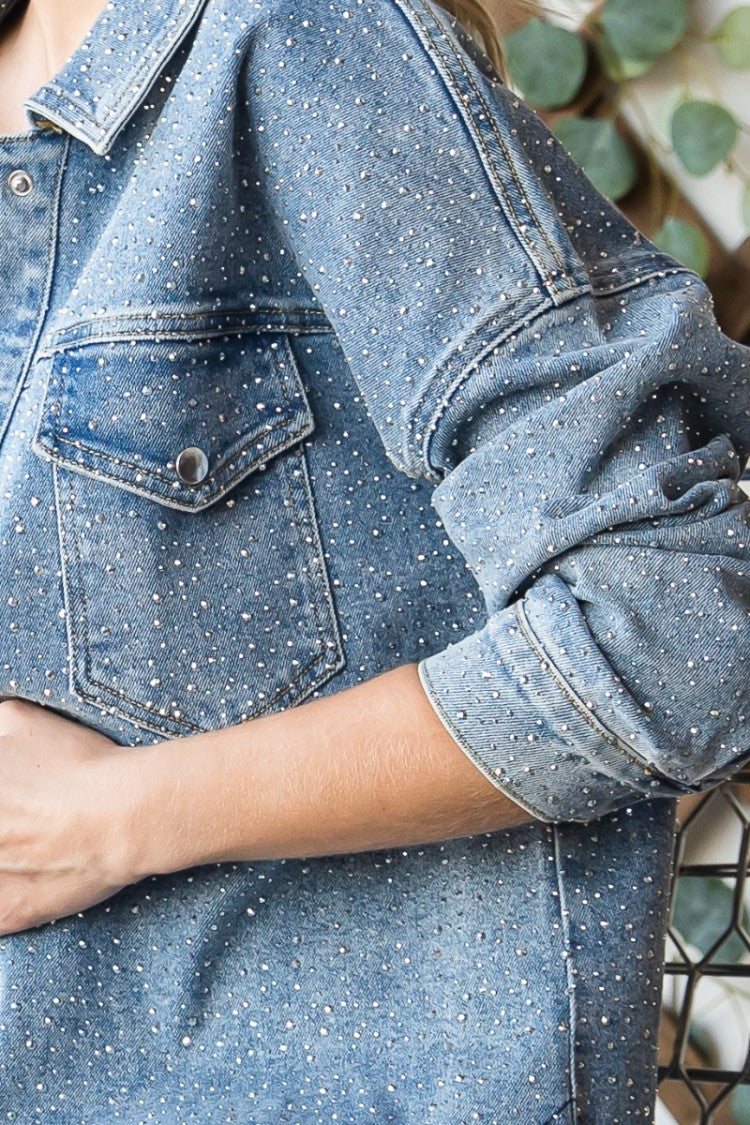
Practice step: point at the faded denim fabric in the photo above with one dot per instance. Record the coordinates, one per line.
(320, 356)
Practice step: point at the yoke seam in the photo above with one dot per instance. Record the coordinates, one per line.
(65, 338)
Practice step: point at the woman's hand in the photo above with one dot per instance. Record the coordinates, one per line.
(64, 802)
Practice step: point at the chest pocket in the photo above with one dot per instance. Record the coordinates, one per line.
(196, 588)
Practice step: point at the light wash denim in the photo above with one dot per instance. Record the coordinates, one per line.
(320, 356)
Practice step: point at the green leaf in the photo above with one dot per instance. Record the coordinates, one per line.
(746, 206)
(732, 38)
(685, 242)
(621, 69)
(643, 29)
(604, 155)
(740, 1102)
(546, 63)
(702, 912)
(703, 134)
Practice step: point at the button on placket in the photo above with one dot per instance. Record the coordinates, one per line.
(20, 182)
(30, 173)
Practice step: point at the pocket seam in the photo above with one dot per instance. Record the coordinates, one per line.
(79, 645)
(292, 683)
(54, 454)
(79, 655)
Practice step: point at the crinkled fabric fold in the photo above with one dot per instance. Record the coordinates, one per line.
(563, 383)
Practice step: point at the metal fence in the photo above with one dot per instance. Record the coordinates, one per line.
(705, 1028)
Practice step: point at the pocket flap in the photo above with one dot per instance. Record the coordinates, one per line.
(177, 420)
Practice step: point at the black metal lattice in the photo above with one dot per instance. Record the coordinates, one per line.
(715, 948)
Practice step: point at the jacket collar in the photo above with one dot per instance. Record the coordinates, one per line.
(101, 86)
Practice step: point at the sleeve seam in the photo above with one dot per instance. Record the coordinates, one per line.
(524, 317)
(497, 321)
(546, 274)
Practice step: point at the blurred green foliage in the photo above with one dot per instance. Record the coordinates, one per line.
(548, 64)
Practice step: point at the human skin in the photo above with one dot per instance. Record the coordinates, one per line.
(33, 48)
(366, 768)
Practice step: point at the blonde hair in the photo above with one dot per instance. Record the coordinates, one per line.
(482, 23)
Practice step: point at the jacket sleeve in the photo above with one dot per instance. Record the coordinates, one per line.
(563, 384)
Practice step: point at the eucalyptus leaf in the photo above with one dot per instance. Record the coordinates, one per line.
(546, 63)
(685, 242)
(604, 155)
(643, 29)
(621, 69)
(703, 134)
(702, 912)
(732, 38)
(746, 206)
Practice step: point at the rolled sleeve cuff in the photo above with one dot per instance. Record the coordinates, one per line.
(530, 732)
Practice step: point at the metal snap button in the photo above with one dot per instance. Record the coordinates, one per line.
(20, 182)
(192, 465)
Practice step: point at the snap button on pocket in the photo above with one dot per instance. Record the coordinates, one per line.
(192, 465)
(187, 613)
(20, 182)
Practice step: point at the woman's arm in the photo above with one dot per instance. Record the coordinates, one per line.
(366, 768)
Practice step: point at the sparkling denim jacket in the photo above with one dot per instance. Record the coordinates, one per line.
(265, 191)
(319, 356)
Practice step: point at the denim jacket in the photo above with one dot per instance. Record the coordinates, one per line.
(320, 356)
(558, 382)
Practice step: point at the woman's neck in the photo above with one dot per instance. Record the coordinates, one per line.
(56, 29)
(36, 41)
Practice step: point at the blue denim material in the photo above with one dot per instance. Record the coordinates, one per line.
(456, 411)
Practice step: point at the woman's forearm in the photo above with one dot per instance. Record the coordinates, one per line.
(368, 767)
